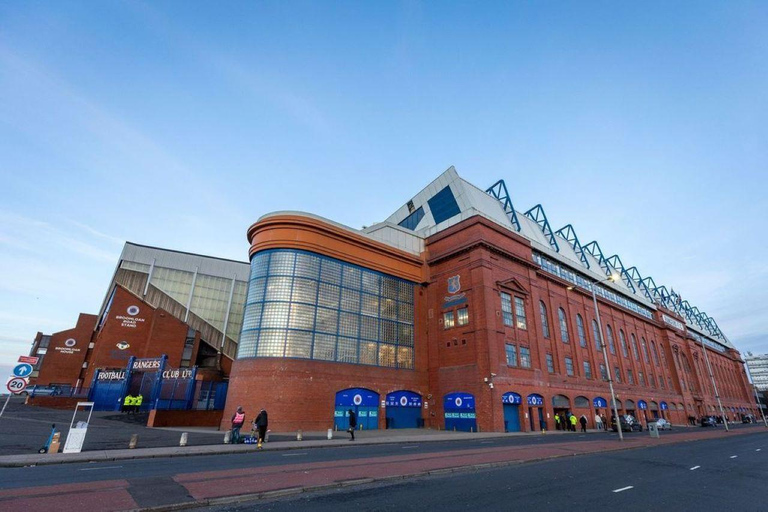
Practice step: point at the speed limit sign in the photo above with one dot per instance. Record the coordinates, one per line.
(16, 385)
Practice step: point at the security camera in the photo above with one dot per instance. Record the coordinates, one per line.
(493, 375)
(490, 385)
(485, 379)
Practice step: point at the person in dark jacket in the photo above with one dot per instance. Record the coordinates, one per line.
(261, 422)
(352, 423)
(583, 421)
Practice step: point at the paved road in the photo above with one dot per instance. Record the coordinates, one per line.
(724, 474)
(130, 484)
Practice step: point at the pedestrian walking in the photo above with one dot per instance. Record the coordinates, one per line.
(583, 421)
(262, 423)
(605, 422)
(352, 423)
(598, 422)
(127, 403)
(557, 421)
(237, 423)
(573, 420)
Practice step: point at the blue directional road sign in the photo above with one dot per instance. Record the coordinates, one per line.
(22, 370)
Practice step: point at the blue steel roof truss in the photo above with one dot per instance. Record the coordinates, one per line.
(634, 274)
(615, 262)
(569, 234)
(539, 217)
(593, 248)
(500, 192)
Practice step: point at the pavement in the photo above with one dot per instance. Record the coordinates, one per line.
(227, 479)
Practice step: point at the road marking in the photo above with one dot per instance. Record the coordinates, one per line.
(409, 447)
(100, 468)
(486, 442)
(624, 488)
(695, 467)
(734, 456)
(758, 449)
(294, 454)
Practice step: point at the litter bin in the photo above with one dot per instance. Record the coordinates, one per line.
(653, 429)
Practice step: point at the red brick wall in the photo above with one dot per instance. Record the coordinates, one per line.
(152, 334)
(62, 364)
(159, 418)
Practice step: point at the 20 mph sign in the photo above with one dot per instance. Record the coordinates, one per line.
(16, 385)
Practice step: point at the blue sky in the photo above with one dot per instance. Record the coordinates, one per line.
(178, 124)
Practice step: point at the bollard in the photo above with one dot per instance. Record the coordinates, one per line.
(134, 441)
(330, 434)
(298, 435)
(227, 437)
(183, 440)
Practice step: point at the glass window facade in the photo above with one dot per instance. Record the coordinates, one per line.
(569, 366)
(462, 316)
(449, 320)
(522, 322)
(580, 329)
(525, 357)
(511, 355)
(609, 335)
(624, 348)
(411, 221)
(506, 308)
(563, 325)
(596, 334)
(587, 370)
(308, 306)
(443, 205)
(550, 364)
(544, 321)
(603, 372)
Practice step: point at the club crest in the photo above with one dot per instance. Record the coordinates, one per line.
(454, 284)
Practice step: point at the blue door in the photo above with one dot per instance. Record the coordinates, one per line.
(460, 412)
(364, 402)
(511, 403)
(403, 410)
(107, 395)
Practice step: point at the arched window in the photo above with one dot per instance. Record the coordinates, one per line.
(634, 347)
(563, 325)
(580, 328)
(609, 335)
(645, 350)
(624, 349)
(655, 353)
(544, 321)
(596, 334)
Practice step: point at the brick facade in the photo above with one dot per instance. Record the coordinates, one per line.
(468, 358)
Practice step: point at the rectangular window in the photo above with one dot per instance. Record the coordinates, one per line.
(511, 355)
(550, 364)
(506, 308)
(448, 320)
(569, 366)
(525, 357)
(603, 372)
(617, 373)
(462, 316)
(642, 378)
(630, 377)
(651, 381)
(443, 205)
(522, 322)
(587, 370)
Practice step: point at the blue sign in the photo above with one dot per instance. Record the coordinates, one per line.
(535, 400)
(403, 399)
(511, 398)
(599, 401)
(22, 370)
(454, 284)
(642, 404)
(664, 406)
(357, 397)
(456, 401)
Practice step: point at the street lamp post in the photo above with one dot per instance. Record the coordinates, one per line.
(714, 386)
(605, 356)
(757, 398)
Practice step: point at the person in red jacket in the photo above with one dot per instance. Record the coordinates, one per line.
(237, 423)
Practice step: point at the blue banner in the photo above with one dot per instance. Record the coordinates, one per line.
(456, 401)
(535, 399)
(511, 398)
(664, 406)
(403, 399)
(357, 397)
(642, 404)
(599, 401)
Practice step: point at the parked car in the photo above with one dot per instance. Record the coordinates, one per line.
(748, 419)
(626, 426)
(661, 424)
(707, 421)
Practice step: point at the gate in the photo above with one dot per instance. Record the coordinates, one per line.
(108, 389)
(364, 402)
(511, 406)
(403, 410)
(460, 412)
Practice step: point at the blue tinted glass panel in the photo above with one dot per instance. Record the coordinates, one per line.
(443, 205)
(411, 221)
